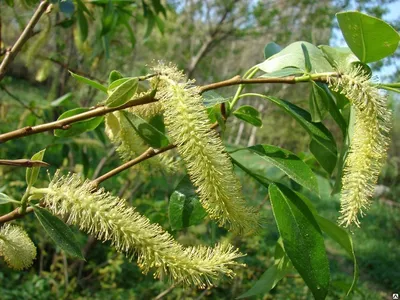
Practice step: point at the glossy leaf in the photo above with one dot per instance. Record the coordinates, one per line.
(33, 173)
(370, 38)
(249, 114)
(59, 232)
(322, 145)
(333, 108)
(283, 73)
(343, 238)
(149, 134)
(338, 56)
(78, 127)
(289, 163)
(114, 75)
(210, 98)
(318, 103)
(271, 49)
(293, 56)
(302, 238)
(4, 199)
(184, 208)
(89, 82)
(123, 93)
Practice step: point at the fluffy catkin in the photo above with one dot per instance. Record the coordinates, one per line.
(368, 145)
(110, 219)
(16, 247)
(208, 165)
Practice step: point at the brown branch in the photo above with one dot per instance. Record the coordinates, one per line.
(26, 34)
(23, 163)
(65, 123)
(15, 214)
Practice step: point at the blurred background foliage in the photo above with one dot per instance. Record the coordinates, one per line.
(211, 40)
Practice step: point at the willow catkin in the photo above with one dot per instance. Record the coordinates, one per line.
(16, 247)
(368, 145)
(208, 165)
(110, 219)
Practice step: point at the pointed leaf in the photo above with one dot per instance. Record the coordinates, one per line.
(210, 98)
(302, 238)
(114, 75)
(123, 93)
(89, 82)
(60, 233)
(78, 127)
(6, 199)
(370, 38)
(32, 173)
(271, 49)
(249, 114)
(318, 103)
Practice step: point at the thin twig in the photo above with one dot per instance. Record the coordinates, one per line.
(65, 123)
(167, 291)
(27, 163)
(26, 34)
(15, 214)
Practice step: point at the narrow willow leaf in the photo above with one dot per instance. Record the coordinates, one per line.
(123, 93)
(150, 134)
(318, 103)
(82, 25)
(307, 61)
(210, 98)
(370, 38)
(322, 145)
(116, 83)
(343, 238)
(60, 233)
(114, 75)
(289, 163)
(184, 208)
(78, 127)
(89, 82)
(302, 238)
(32, 173)
(249, 114)
(4, 199)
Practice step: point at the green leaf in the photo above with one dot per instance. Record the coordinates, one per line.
(259, 178)
(60, 233)
(293, 56)
(333, 108)
(32, 173)
(123, 93)
(338, 56)
(184, 208)
(82, 25)
(370, 38)
(323, 145)
(6, 199)
(78, 127)
(150, 134)
(89, 82)
(249, 114)
(307, 61)
(271, 49)
(210, 98)
(114, 75)
(289, 163)
(116, 83)
(283, 73)
(343, 238)
(61, 99)
(302, 238)
(318, 103)
(273, 275)
(10, 3)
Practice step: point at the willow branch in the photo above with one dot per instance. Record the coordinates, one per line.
(26, 34)
(23, 163)
(65, 123)
(15, 214)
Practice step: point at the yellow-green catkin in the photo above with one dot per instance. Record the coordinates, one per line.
(368, 145)
(207, 162)
(110, 219)
(16, 247)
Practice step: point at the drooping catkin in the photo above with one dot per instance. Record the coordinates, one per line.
(208, 165)
(368, 145)
(16, 247)
(110, 219)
